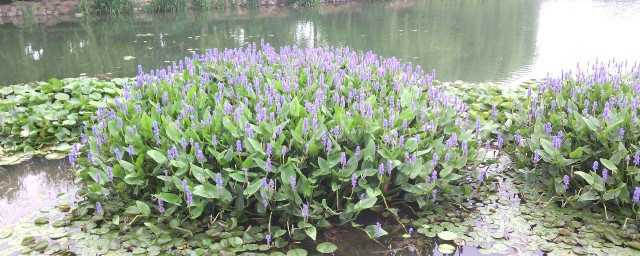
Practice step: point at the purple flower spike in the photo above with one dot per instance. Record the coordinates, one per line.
(566, 182)
(99, 208)
(536, 156)
(354, 180)
(595, 165)
(189, 198)
(160, 205)
(378, 229)
(268, 238)
(292, 182)
(238, 146)
(636, 195)
(305, 212)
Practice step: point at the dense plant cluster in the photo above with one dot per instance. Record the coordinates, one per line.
(45, 117)
(582, 128)
(292, 137)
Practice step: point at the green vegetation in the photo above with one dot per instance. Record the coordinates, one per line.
(249, 149)
(116, 7)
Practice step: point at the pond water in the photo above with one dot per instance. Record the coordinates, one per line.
(474, 41)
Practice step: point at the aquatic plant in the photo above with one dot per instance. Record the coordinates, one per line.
(582, 128)
(46, 118)
(116, 7)
(290, 137)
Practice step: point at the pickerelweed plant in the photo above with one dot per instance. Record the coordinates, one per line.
(289, 138)
(582, 128)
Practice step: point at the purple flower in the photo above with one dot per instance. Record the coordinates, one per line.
(292, 182)
(238, 146)
(283, 151)
(117, 153)
(566, 182)
(343, 158)
(98, 177)
(183, 143)
(389, 166)
(557, 141)
(434, 160)
(362, 196)
(595, 165)
(547, 128)
(219, 182)
(184, 185)
(636, 195)
(465, 148)
(636, 158)
(109, 173)
(358, 151)
(621, 133)
(269, 149)
(354, 180)
(536, 156)
(305, 211)
(99, 208)
(434, 193)
(214, 140)
(189, 198)
(268, 238)
(378, 229)
(160, 205)
(305, 126)
(131, 152)
(381, 169)
(434, 175)
(605, 174)
(410, 231)
(268, 165)
(481, 173)
(447, 157)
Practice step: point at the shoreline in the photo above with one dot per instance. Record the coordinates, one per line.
(55, 11)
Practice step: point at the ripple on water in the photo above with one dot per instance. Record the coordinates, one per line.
(31, 185)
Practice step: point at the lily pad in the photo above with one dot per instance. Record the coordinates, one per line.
(446, 249)
(326, 247)
(447, 235)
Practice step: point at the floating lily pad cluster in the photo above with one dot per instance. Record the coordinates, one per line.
(45, 118)
(290, 138)
(582, 128)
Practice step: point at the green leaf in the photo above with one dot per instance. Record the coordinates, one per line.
(608, 164)
(588, 196)
(294, 107)
(253, 188)
(577, 153)
(365, 203)
(311, 232)
(169, 198)
(586, 177)
(157, 156)
(143, 208)
(326, 247)
(297, 252)
(62, 96)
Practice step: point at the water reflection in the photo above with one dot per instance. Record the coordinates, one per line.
(32, 185)
(468, 40)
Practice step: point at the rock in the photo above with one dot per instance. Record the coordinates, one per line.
(78, 15)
